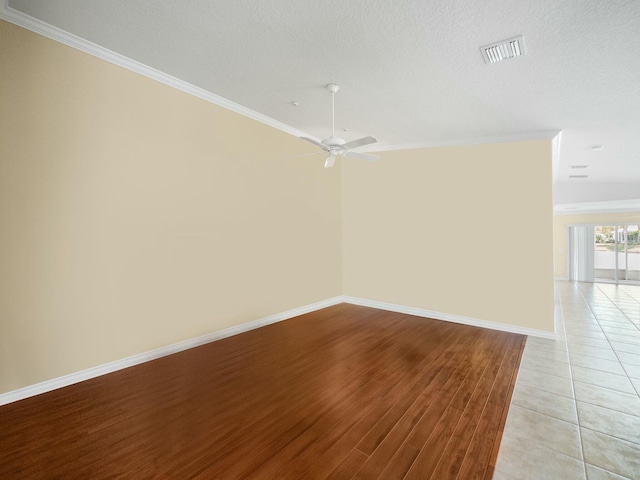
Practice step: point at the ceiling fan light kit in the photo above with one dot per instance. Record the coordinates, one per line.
(337, 146)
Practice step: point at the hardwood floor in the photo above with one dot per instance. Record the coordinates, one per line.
(344, 392)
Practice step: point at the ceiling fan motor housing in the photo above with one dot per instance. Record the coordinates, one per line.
(333, 142)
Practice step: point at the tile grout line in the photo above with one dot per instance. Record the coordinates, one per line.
(573, 388)
(607, 336)
(596, 316)
(633, 384)
(599, 303)
(581, 307)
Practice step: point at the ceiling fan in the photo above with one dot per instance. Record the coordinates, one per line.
(337, 146)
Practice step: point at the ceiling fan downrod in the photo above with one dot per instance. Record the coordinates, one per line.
(333, 88)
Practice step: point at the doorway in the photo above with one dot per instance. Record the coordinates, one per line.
(617, 253)
(604, 253)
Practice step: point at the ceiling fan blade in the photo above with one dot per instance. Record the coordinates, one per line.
(359, 143)
(315, 142)
(361, 156)
(331, 159)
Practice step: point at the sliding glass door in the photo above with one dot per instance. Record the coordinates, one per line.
(631, 253)
(616, 253)
(604, 258)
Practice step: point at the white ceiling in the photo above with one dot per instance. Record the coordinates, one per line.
(411, 71)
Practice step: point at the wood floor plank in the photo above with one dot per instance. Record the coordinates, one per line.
(350, 464)
(477, 394)
(516, 357)
(426, 462)
(381, 429)
(456, 448)
(412, 413)
(476, 460)
(397, 465)
(333, 456)
(344, 392)
(403, 459)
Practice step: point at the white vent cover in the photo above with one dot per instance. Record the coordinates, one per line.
(497, 52)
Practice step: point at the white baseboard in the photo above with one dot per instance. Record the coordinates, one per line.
(447, 317)
(93, 372)
(561, 279)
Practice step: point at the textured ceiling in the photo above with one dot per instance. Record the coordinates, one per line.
(410, 71)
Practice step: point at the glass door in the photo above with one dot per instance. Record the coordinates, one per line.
(631, 253)
(604, 257)
(616, 256)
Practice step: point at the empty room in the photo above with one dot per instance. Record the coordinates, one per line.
(312, 240)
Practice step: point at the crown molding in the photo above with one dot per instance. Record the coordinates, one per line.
(516, 137)
(54, 33)
(57, 34)
(614, 206)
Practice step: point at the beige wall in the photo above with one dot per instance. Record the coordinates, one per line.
(133, 216)
(459, 230)
(561, 222)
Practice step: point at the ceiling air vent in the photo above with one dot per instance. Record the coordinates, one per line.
(497, 52)
(578, 176)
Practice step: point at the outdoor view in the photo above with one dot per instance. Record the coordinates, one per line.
(617, 253)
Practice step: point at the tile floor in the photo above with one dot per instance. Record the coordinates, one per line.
(575, 410)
